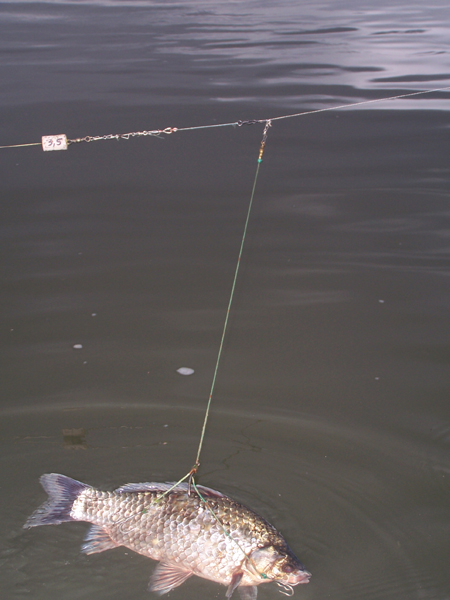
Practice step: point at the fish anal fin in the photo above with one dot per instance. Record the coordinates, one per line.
(97, 540)
(167, 577)
(248, 592)
(235, 581)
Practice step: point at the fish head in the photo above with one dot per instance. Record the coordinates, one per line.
(280, 565)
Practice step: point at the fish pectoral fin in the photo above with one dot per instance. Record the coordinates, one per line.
(235, 581)
(97, 540)
(248, 592)
(166, 577)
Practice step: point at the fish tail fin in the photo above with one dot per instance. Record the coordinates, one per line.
(62, 492)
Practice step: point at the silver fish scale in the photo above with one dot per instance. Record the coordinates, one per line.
(179, 529)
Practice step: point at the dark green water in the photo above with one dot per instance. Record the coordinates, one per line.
(331, 411)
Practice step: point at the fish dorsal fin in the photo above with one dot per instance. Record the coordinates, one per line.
(163, 487)
(209, 493)
(97, 540)
(144, 487)
(167, 577)
(204, 491)
(248, 592)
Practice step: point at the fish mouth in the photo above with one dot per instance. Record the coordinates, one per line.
(299, 577)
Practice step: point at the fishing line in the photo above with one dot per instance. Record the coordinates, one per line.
(61, 142)
(196, 465)
(261, 152)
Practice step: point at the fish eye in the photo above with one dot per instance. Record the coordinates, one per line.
(287, 569)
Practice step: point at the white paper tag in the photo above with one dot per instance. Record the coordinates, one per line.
(54, 142)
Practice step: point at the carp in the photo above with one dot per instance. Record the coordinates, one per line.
(190, 531)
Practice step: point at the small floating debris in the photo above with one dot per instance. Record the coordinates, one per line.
(75, 439)
(185, 371)
(77, 346)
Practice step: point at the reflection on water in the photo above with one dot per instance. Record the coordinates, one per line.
(242, 52)
(330, 415)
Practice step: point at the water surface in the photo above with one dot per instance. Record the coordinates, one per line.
(330, 415)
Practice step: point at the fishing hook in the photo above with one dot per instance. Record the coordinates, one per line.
(287, 590)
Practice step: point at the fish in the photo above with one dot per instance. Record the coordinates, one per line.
(190, 530)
